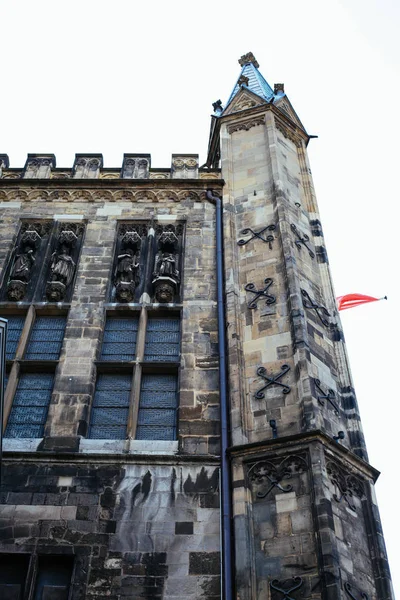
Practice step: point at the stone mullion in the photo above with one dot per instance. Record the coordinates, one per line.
(137, 376)
(15, 369)
(295, 306)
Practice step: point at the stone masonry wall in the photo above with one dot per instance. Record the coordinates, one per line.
(138, 531)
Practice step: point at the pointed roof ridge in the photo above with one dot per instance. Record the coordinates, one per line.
(251, 79)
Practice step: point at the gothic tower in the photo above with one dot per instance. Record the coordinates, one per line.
(306, 524)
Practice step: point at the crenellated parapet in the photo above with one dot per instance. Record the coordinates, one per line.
(135, 166)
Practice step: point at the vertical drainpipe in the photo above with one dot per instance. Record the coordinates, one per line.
(226, 506)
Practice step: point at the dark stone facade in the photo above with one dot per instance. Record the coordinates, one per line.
(119, 495)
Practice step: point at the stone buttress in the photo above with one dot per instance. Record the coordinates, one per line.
(306, 520)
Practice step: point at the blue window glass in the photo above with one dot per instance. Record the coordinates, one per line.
(157, 407)
(46, 338)
(14, 330)
(31, 404)
(110, 408)
(119, 342)
(162, 340)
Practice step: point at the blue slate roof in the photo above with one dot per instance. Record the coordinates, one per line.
(257, 84)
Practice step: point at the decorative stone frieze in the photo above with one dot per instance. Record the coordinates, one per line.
(245, 125)
(273, 474)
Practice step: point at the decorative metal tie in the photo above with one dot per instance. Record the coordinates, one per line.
(329, 395)
(308, 303)
(301, 239)
(273, 380)
(348, 589)
(258, 234)
(250, 287)
(275, 583)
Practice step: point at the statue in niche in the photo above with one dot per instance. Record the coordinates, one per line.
(23, 264)
(21, 271)
(62, 266)
(127, 267)
(165, 265)
(127, 270)
(166, 276)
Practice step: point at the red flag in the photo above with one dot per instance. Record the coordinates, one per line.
(351, 300)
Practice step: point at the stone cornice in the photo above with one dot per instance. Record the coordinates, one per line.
(254, 450)
(112, 183)
(112, 458)
(109, 190)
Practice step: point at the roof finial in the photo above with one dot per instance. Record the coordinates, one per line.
(248, 58)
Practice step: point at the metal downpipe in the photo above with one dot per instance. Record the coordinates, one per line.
(226, 506)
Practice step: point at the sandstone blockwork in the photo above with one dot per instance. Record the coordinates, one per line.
(116, 284)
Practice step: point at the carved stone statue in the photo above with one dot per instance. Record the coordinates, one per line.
(127, 266)
(166, 276)
(23, 264)
(62, 271)
(21, 271)
(165, 265)
(126, 275)
(62, 266)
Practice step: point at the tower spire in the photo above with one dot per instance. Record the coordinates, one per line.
(251, 79)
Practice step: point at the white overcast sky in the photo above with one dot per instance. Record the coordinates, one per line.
(131, 76)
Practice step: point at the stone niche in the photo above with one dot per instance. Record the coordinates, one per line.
(167, 263)
(129, 266)
(24, 268)
(62, 262)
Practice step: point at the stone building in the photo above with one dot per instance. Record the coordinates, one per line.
(178, 401)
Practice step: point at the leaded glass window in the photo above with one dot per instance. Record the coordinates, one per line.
(157, 407)
(162, 340)
(110, 408)
(30, 406)
(119, 342)
(46, 338)
(14, 330)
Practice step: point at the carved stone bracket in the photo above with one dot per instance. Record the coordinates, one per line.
(329, 395)
(319, 310)
(272, 380)
(350, 590)
(266, 475)
(286, 587)
(268, 239)
(250, 287)
(245, 125)
(302, 239)
(346, 483)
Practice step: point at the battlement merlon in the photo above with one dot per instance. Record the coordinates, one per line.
(91, 166)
